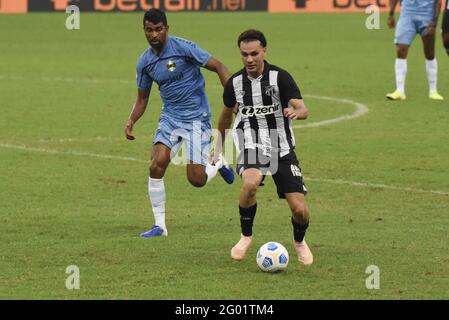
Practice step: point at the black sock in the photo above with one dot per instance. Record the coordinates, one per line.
(246, 219)
(299, 230)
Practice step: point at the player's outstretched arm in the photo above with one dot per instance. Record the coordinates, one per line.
(138, 110)
(218, 67)
(297, 110)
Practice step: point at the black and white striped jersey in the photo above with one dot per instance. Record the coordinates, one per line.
(260, 122)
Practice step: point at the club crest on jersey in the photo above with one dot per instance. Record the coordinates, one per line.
(270, 90)
(171, 66)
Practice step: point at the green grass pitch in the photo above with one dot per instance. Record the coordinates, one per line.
(73, 190)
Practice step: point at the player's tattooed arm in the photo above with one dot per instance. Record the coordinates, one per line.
(138, 110)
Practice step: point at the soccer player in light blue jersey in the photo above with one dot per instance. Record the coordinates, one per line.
(174, 65)
(417, 17)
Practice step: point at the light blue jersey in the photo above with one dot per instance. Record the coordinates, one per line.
(416, 15)
(177, 72)
(418, 7)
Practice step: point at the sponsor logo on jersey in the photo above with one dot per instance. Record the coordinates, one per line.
(171, 80)
(250, 111)
(171, 66)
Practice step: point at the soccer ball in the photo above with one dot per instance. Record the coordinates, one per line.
(272, 257)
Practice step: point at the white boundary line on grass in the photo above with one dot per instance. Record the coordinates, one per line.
(70, 153)
(66, 79)
(361, 109)
(378, 186)
(111, 157)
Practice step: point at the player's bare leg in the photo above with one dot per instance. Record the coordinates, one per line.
(431, 66)
(199, 175)
(204, 168)
(400, 72)
(251, 179)
(160, 160)
(300, 222)
(429, 46)
(402, 51)
(196, 174)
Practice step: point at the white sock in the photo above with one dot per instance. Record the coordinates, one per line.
(432, 72)
(401, 72)
(211, 170)
(156, 192)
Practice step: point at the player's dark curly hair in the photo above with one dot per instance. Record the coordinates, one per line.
(252, 35)
(155, 16)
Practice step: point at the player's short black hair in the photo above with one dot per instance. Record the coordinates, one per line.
(155, 16)
(252, 35)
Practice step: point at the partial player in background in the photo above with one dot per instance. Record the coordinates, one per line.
(416, 17)
(267, 100)
(174, 64)
(446, 27)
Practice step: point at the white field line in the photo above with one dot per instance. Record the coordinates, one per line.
(70, 153)
(67, 79)
(378, 186)
(332, 181)
(95, 139)
(361, 109)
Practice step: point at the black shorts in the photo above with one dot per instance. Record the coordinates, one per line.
(445, 26)
(286, 171)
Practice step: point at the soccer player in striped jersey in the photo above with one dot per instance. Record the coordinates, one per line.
(174, 64)
(267, 100)
(417, 17)
(446, 27)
